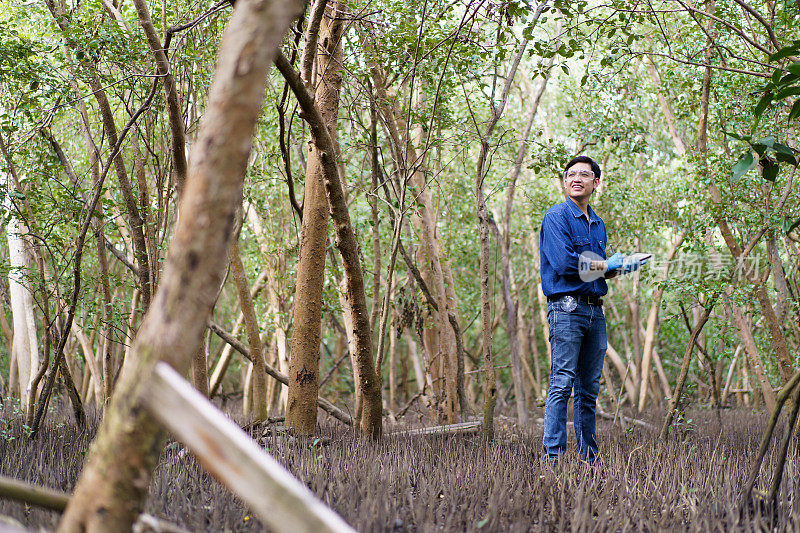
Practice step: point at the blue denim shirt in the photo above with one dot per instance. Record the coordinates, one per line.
(565, 234)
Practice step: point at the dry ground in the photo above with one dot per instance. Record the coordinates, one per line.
(457, 483)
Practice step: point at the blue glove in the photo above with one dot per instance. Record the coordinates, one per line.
(615, 262)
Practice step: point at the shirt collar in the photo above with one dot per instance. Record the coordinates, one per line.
(577, 213)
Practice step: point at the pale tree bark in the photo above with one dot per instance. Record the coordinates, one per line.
(275, 274)
(91, 361)
(315, 111)
(301, 407)
(751, 350)
(778, 278)
(652, 319)
(393, 340)
(259, 394)
(199, 369)
(110, 492)
(25, 342)
(438, 343)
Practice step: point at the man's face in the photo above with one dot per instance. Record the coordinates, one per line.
(580, 182)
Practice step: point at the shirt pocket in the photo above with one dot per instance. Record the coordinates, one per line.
(580, 244)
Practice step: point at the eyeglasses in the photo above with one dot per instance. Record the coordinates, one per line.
(583, 174)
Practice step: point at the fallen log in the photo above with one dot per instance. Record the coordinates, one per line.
(450, 429)
(323, 404)
(626, 419)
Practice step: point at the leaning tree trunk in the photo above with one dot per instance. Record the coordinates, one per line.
(110, 492)
(259, 395)
(176, 124)
(652, 320)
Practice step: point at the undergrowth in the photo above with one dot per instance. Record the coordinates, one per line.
(454, 483)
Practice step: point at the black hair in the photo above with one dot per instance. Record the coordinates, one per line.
(584, 159)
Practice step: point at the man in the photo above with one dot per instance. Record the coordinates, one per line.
(574, 269)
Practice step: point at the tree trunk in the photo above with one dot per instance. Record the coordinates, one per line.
(163, 66)
(542, 301)
(652, 319)
(199, 369)
(25, 341)
(520, 396)
(751, 350)
(110, 492)
(489, 380)
(329, 66)
(301, 409)
(440, 346)
(259, 396)
(275, 274)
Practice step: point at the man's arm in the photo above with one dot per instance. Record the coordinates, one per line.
(556, 245)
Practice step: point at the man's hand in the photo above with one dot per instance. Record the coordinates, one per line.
(615, 262)
(619, 264)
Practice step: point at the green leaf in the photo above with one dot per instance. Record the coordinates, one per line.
(769, 169)
(789, 91)
(776, 75)
(782, 149)
(786, 51)
(786, 158)
(791, 227)
(769, 142)
(744, 164)
(745, 138)
(762, 145)
(795, 112)
(789, 78)
(762, 105)
(794, 68)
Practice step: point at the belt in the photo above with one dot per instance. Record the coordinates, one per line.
(585, 298)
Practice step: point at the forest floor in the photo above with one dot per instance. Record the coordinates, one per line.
(455, 483)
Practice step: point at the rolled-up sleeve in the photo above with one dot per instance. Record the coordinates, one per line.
(556, 245)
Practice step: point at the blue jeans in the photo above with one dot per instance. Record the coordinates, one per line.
(578, 343)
